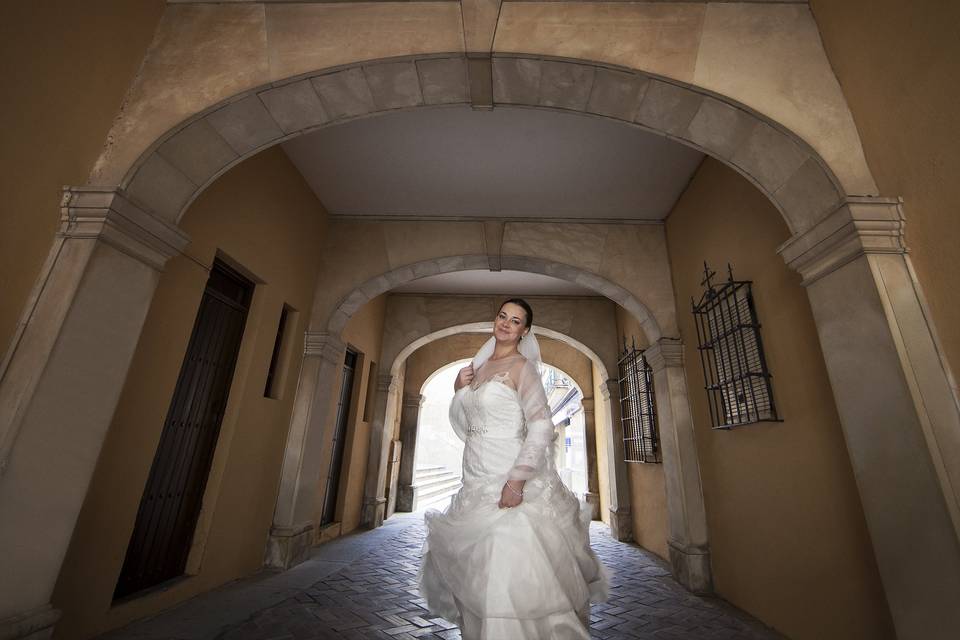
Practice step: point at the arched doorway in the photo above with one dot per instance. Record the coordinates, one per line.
(833, 232)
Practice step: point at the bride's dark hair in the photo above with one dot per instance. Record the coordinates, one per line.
(520, 302)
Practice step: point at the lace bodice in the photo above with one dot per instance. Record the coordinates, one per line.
(506, 405)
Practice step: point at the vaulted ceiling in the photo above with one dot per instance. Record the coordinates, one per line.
(506, 163)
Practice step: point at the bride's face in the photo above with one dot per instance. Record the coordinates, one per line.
(511, 323)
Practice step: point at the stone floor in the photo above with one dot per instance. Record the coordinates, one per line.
(364, 586)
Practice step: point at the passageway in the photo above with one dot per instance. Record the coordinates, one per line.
(364, 586)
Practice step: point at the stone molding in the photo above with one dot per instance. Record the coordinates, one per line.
(610, 389)
(691, 566)
(107, 214)
(858, 227)
(413, 400)
(289, 546)
(386, 382)
(35, 624)
(665, 352)
(323, 345)
(621, 524)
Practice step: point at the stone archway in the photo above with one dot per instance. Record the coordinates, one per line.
(849, 250)
(688, 544)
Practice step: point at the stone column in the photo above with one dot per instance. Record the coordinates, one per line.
(897, 404)
(381, 432)
(295, 517)
(687, 518)
(60, 382)
(621, 521)
(593, 478)
(409, 421)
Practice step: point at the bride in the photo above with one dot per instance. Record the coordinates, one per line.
(510, 558)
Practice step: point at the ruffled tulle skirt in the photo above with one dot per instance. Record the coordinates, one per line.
(525, 572)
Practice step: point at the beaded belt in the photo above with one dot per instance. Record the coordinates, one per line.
(474, 430)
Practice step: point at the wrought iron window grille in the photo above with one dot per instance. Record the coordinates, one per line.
(641, 440)
(735, 372)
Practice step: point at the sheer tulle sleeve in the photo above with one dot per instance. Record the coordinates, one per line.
(537, 447)
(458, 417)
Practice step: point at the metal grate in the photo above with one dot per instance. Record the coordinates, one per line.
(637, 410)
(734, 367)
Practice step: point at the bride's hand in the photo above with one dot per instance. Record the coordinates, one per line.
(465, 376)
(512, 494)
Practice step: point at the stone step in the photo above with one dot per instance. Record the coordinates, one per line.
(433, 498)
(423, 476)
(437, 502)
(430, 471)
(451, 485)
(432, 483)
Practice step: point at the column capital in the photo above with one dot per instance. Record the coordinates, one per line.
(610, 387)
(326, 346)
(414, 400)
(665, 352)
(106, 214)
(860, 226)
(588, 404)
(387, 382)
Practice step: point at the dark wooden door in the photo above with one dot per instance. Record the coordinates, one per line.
(339, 435)
(171, 501)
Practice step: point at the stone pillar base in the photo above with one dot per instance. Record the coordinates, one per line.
(621, 525)
(32, 625)
(691, 567)
(289, 546)
(374, 512)
(406, 497)
(593, 499)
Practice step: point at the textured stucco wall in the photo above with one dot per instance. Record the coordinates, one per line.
(648, 498)
(897, 63)
(788, 539)
(265, 218)
(65, 74)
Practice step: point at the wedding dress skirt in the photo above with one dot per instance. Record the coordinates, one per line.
(525, 572)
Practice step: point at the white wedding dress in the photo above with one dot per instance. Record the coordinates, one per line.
(518, 573)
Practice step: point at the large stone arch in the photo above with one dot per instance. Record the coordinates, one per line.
(118, 231)
(172, 172)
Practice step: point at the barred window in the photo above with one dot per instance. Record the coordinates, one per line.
(735, 371)
(637, 410)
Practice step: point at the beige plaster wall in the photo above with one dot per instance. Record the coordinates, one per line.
(588, 320)
(205, 53)
(265, 218)
(648, 498)
(364, 333)
(787, 534)
(742, 50)
(65, 72)
(897, 63)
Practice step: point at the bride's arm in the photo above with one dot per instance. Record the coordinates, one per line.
(538, 445)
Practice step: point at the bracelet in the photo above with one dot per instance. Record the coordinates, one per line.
(515, 492)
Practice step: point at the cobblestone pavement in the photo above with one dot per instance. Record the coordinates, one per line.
(369, 591)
